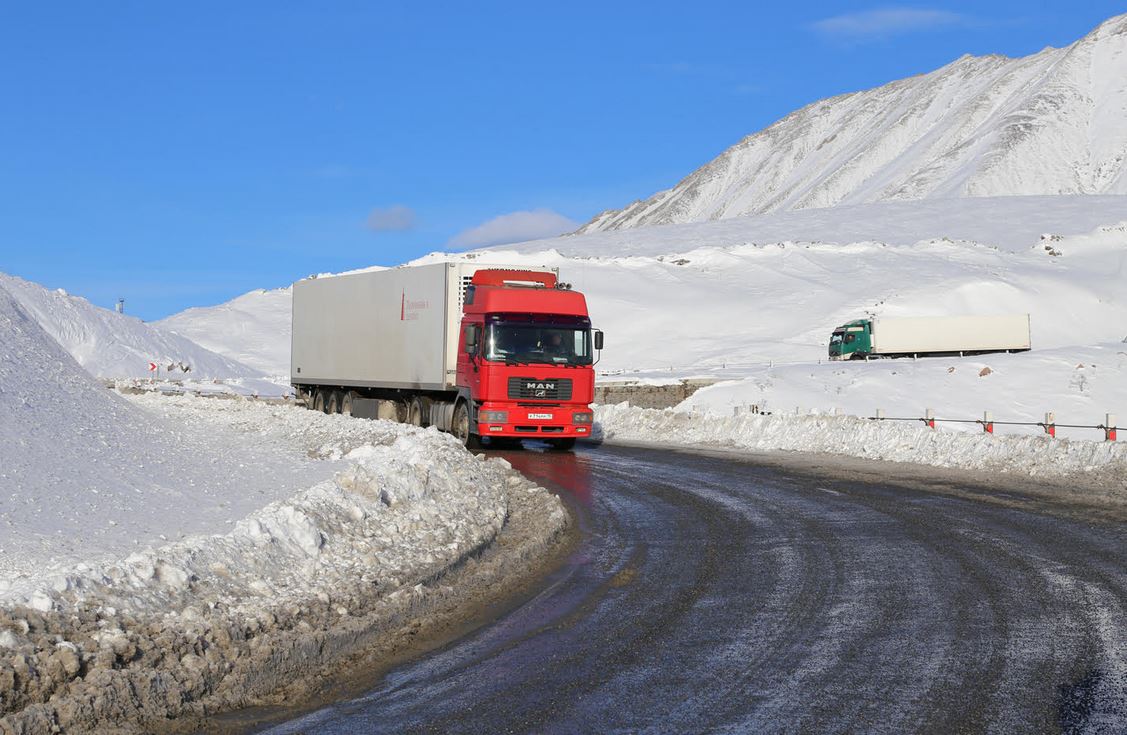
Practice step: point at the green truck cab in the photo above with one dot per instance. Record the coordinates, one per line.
(852, 338)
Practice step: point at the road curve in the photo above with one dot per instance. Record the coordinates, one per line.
(712, 594)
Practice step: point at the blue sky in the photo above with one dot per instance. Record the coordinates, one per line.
(179, 154)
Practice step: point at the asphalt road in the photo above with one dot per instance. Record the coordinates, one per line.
(711, 594)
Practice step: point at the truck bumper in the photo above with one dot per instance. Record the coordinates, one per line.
(524, 422)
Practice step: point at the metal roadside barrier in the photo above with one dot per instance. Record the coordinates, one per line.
(987, 422)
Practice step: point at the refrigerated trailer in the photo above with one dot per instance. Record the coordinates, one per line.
(477, 350)
(925, 336)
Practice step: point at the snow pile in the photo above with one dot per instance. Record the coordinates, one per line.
(1079, 462)
(1078, 384)
(163, 551)
(404, 506)
(112, 345)
(212, 622)
(252, 329)
(1050, 123)
(86, 475)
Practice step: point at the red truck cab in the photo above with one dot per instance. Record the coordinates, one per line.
(525, 360)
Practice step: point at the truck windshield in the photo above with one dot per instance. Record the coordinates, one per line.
(549, 344)
(835, 338)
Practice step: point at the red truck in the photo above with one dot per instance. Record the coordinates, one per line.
(480, 351)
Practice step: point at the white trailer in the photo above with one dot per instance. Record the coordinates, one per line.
(393, 328)
(392, 332)
(950, 334)
(939, 335)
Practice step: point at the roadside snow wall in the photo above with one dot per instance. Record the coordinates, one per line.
(149, 640)
(1092, 462)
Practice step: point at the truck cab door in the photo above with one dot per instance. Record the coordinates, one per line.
(471, 345)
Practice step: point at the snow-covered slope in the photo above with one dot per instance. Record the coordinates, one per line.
(86, 474)
(1050, 123)
(723, 298)
(730, 302)
(1010, 223)
(252, 329)
(140, 530)
(112, 345)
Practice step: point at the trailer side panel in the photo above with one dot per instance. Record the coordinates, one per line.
(951, 334)
(380, 329)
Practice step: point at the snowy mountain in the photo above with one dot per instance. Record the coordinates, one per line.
(112, 345)
(1050, 123)
(699, 298)
(724, 298)
(252, 329)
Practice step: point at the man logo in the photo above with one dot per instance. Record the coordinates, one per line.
(540, 390)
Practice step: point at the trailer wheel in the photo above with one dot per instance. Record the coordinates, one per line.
(319, 401)
(332, 405)
(416, 412)
(562, 445)
(460, 427)
(346, 403)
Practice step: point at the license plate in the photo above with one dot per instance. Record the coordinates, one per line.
(539, 415)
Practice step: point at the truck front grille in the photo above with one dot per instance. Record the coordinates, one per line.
(557, 389)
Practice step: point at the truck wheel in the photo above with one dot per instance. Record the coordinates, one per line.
(562, 445)
(460, 427)
(319, 401)
(416, 412)
(346, 403)
(332, 405)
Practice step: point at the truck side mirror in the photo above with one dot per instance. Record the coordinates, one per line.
(598, 339)
(471, 341)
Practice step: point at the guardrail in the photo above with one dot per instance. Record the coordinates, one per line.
(987, 422)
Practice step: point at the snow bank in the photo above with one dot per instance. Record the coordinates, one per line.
(166, 556)
(1079, 384)
(252, 329)
(1076, 461)
(215, 621)
(87, 476)
(112, 345)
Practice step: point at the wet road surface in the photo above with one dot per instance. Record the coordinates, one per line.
(712, 594)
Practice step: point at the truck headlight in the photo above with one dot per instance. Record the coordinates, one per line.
(493, 417)
(582, 417)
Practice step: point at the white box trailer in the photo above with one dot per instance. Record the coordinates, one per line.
(393, 329)
(950, 334)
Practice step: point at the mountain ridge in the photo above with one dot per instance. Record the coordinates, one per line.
(1047, 123)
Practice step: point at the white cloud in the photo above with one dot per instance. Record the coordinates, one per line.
(883, 22)
(396, 218)
(514, 227)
